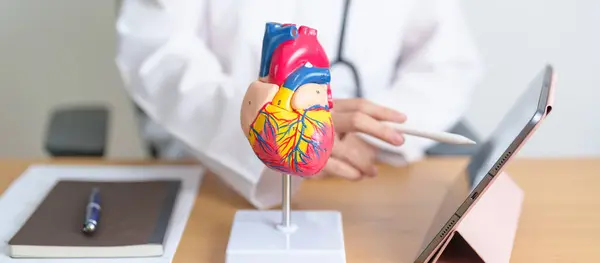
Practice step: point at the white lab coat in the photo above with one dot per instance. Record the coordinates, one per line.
(187, 64)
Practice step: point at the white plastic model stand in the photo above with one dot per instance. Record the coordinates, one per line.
(272, 237)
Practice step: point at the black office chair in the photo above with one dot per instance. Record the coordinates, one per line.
(82, 131)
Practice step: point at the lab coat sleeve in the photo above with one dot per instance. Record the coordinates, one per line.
(171, 73)
(438, 70)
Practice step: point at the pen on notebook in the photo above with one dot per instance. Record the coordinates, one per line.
(92, 212)
(444, 137)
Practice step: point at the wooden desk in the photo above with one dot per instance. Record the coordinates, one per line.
(560, 220)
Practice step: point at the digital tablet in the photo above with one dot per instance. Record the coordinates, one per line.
(516, 127)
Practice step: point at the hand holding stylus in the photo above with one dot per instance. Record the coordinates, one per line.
(353, 158)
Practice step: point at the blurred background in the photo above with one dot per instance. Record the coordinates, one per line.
(50, 57)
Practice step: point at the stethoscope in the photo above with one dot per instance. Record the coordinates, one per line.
(339, 61)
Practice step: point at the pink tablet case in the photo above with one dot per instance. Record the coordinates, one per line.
(487, 232)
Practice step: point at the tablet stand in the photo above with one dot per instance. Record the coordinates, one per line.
(286, 236)
(487, 232)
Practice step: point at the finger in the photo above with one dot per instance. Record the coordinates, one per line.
(354, 157)
(339, 168)
(378, 112)
(360, 122)
(365, 152)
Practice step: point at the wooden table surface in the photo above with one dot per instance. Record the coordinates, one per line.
(383, 216)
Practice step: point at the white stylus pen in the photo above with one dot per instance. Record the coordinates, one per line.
(444, 137)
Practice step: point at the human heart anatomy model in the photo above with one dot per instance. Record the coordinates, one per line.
(286, 112)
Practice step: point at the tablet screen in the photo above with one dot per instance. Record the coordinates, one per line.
(508, 130)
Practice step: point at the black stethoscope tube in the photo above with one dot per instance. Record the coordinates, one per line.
(339, 60)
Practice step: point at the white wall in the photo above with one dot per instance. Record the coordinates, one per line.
(516, 38)
(49, 57)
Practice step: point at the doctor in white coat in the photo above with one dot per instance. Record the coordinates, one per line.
(187, 64)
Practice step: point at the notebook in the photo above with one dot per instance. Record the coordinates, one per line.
(133, 221)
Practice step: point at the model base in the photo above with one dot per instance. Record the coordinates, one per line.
(315, 236)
